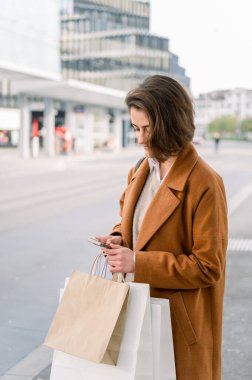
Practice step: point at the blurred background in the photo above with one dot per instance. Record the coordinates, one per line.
(66, 145)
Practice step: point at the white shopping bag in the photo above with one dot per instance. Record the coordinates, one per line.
(135, 357)
(163, 353)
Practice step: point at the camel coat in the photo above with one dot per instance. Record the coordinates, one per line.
(181, 253)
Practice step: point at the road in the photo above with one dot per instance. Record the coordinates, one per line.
(49, 208)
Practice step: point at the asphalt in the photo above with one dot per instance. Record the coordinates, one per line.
(37, 365)
(236, 325)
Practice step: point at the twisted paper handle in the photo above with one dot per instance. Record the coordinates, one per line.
(101, 270)
(118, 277)
(96, 267)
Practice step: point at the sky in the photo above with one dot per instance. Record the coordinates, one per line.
(213, 39)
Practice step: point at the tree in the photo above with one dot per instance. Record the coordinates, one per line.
(246, 125)
(224, 125)
(246, 129)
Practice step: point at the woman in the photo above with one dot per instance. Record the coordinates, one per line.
(173, 229)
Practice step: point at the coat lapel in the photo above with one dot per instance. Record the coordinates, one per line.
(162, 206)
(166, 200)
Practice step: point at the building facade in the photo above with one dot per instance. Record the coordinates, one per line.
(30, 37)
(108, 42)
(209, 106)
(40, 110)
(65, 65)
(30, 48)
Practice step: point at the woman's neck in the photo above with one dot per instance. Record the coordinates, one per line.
(165, 167)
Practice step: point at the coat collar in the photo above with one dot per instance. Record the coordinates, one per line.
(182, 168)
(165, 201)
(179, 172)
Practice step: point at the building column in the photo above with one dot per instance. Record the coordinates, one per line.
(49, 125)
(118, 124)
(24, 137)
(89, 132)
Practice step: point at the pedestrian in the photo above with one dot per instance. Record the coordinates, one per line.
(173, 229)
(216, 137)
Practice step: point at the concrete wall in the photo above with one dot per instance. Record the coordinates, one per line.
(30, 35)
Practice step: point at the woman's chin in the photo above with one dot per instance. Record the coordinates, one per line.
(146, 152)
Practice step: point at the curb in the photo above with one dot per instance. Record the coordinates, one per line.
(31, 366)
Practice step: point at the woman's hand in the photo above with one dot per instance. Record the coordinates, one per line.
(120, 259)
(108, 239)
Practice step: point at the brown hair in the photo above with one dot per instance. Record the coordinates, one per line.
(170, 113)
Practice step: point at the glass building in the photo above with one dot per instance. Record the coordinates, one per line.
(108, 42)
(30, 50)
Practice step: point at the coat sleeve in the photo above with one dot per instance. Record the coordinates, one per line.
(204, 264)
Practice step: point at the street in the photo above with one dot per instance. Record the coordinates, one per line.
(48, 210)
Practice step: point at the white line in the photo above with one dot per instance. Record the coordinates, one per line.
(235, 202)
(31, 366)
(240, 245)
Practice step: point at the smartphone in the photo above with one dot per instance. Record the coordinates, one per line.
(99, 243)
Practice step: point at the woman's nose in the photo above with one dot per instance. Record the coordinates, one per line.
(141, 137)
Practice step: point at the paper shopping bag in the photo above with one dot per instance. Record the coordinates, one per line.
(135, 357)
(163, 353)
(88, 322)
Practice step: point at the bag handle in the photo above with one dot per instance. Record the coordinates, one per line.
(98, 270)
(96, 267)
(118, 277)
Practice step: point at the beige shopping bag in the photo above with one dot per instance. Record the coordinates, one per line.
(90, 317)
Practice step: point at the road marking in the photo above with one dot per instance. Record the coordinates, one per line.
(235, 202)
(244, 245)
(31, 366)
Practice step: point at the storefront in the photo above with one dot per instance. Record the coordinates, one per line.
(9, 126)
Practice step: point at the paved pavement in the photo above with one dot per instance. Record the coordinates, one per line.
(13, 165)
(237, 346)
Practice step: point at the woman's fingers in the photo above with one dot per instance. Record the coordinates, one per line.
(115, 247)
(102, 239)
(112, 259)
(108, 239)
(114, 240)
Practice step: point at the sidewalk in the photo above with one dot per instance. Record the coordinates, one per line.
(11, 164)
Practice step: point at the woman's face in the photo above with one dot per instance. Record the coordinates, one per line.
(140, 123)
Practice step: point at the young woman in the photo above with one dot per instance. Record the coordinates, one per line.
(173, 229)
